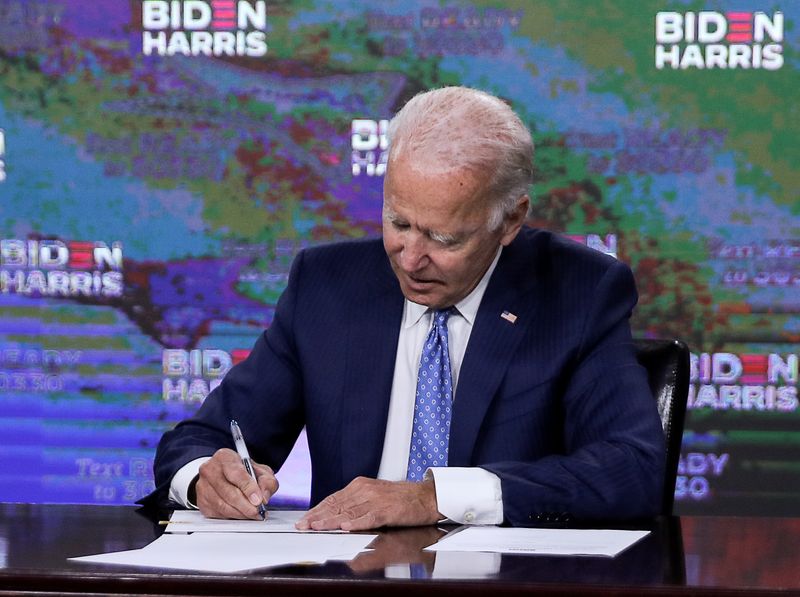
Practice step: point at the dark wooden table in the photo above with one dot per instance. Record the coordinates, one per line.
(688, 556)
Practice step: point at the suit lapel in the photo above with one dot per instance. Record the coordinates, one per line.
(492, 344)
(371, 351)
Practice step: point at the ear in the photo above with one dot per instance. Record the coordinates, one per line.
(514, 220)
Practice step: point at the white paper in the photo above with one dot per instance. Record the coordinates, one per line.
(236, 552)
(193, 521)
(566, 542)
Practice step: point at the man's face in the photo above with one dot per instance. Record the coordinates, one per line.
(435, 232)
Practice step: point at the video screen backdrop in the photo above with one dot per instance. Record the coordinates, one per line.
(162, 162)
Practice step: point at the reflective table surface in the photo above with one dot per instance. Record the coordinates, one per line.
(687, 556)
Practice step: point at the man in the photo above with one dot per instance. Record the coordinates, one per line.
(489, 364)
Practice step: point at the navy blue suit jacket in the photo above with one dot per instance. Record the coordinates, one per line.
(555, 403)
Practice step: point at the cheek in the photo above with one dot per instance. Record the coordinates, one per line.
(465, 268)
(450, 267)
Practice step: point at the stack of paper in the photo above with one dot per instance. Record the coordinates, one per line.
(564, 542)
(193, 521)
(234, 546)
(193, 542)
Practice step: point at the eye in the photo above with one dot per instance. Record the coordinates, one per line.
(399, 225)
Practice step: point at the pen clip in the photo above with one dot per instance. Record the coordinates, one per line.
(236, 432)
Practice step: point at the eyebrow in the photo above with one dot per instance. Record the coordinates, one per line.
(439, 237)
(389, 213)
(445, 239)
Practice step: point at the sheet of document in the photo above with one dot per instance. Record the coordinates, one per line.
(236, 552)
(193, 521)
(562, 542)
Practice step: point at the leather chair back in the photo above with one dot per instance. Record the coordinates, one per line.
(667, 365)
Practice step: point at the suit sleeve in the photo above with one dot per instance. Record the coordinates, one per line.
(613, 461)
(263, 393)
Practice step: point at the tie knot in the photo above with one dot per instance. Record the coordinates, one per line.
(441, 316)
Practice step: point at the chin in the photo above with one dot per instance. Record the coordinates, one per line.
(420, 299)
(416, 297)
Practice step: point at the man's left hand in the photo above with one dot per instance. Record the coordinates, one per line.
(372, 503)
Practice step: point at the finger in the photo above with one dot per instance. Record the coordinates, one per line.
(304, 524)
(206, 494)
(267, 481)
(213, 505)
(326, 509)
(219, 498)
(348, 503)
(332, 523)
(236, 475)
(341, 519)
(214, 474)
(370, 520)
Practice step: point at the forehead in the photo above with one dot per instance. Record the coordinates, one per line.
(443, 197)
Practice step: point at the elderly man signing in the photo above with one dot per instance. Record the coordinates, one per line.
(463, 367)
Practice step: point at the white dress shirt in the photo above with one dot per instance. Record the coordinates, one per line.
(464, 495)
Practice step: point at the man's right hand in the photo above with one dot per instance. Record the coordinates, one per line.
(225, 490)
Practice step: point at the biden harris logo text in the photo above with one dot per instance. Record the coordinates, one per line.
(715, 40)
(197, 28)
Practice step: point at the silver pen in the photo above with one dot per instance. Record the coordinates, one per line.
(241, 448)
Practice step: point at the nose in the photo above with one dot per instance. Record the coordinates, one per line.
(413, 254)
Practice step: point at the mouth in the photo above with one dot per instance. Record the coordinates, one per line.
(421, 284)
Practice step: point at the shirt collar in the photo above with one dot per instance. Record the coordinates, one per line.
(466, 307)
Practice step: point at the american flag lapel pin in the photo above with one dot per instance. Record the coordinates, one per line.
(509, 316)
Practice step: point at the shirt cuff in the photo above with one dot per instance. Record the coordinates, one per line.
(179, 486)
(468, 495)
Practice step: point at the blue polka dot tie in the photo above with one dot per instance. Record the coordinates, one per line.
(430, 434)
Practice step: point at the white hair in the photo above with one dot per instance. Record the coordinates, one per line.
(456, 128)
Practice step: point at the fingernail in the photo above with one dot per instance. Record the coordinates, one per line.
(256, 499)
